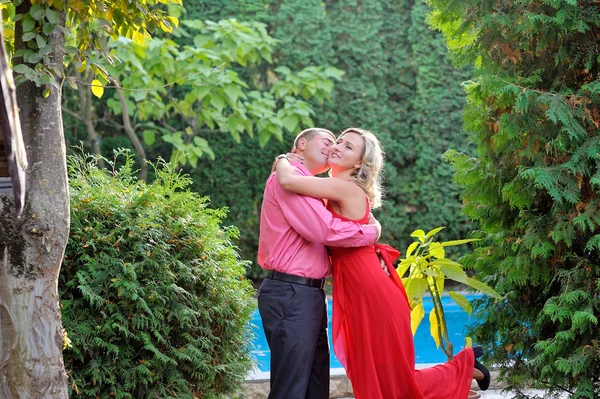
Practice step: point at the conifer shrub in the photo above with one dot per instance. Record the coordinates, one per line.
(152, 290)
(533, 184)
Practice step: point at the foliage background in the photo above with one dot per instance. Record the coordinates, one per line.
(399, 82)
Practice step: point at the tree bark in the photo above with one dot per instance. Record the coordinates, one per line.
(32, 247)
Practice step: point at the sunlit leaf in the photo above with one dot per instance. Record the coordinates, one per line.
(468, 342)
(420, 234)
(97, 88)
(436, 332)
(433, 232)
(459, 242)
(416, 315)
(411, 248)
(415, 288)
(436, 250)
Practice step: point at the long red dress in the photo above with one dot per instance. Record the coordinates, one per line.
(371, 331)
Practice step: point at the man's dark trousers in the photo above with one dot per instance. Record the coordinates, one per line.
(294, 319)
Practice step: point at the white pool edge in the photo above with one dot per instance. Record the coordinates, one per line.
(256, 375)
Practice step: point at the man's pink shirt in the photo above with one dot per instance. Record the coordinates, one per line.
(294, 230)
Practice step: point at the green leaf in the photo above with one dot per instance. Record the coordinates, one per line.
(33, 58)
(21, 68)
(452, 270)
(41, 41)
(52, 16)
(149, 137)
(47, 29)
(37, 11)
(290, 122)
(28, 36)
(482, 287)
(28, 23)
(461, 301)
(263, 137)
(218, 102)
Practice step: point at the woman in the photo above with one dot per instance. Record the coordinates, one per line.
(372, 337)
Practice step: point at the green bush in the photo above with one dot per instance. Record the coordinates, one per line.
(152, 289)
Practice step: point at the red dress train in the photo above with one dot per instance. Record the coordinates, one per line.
(371, 332)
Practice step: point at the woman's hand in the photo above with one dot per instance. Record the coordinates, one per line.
(290, 156)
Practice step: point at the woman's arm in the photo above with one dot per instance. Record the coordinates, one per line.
(328, 188)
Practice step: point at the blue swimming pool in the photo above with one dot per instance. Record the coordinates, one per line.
(425, 349)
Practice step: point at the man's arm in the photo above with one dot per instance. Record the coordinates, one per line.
(309, 218)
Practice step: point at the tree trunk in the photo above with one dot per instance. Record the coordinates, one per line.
(32, 248)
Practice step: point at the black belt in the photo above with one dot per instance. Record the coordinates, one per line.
(291, 278)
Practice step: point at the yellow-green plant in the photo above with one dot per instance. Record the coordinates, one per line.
(428, 269)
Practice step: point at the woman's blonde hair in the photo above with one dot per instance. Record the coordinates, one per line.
(368, 177)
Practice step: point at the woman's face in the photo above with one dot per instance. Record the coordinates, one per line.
(347, 152)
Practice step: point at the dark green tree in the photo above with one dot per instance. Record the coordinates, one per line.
(533, 185)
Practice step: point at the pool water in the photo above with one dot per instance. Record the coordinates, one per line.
(425, 349)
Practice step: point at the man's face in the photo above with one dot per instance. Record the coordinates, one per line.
(317, 149)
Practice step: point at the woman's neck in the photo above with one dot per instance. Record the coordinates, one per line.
(341, 174)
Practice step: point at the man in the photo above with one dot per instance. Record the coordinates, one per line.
(294, 230)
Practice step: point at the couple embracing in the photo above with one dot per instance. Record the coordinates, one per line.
(312, 227)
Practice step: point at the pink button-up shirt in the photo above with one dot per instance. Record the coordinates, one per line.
(294, 230)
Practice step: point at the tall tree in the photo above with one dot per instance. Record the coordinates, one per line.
(31, 251)
(534, 183)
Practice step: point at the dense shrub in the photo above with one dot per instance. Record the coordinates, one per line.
(152, 289)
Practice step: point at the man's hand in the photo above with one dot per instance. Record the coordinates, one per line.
(376, 224)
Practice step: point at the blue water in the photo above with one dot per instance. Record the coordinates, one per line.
(425, 349)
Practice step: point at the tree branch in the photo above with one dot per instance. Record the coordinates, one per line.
(137, 144)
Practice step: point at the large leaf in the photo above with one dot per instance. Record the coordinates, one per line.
(461, 301)
(415, 288)
(404, 266)
(482, 287)
(436, 333)
(436, 250)
(459, 242)
(451, 269)
(411, 248)
(416, 315)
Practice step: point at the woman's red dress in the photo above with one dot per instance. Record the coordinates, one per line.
(371, 331)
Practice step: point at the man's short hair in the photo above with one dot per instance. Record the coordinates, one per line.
(308, 134)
